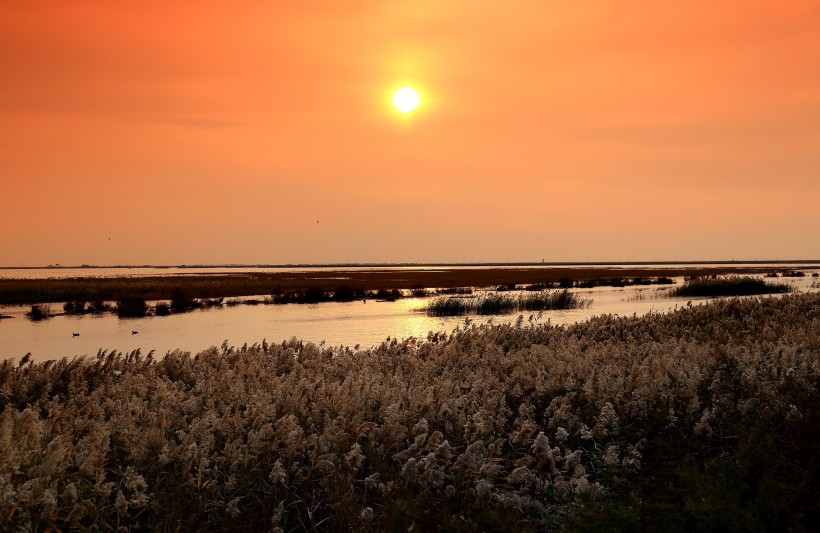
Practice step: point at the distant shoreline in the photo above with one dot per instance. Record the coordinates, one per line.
(402, 265)
(225, 285)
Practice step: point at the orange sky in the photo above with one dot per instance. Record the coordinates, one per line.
(148, 132)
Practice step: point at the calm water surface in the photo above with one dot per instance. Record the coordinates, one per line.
(349, 324)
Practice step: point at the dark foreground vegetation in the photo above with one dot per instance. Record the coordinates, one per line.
(499, 304)
(297, 284)
(729, 286)
(704, 419)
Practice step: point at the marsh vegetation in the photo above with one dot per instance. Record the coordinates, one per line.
(501, 304)
(702, 419)
(728, 286)
(300, 284)
(39, 312)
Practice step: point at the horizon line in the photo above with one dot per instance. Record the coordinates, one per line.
(58, 266)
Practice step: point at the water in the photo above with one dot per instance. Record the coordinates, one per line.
(349, 324)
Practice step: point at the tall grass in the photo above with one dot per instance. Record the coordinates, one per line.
(131, 308)
(728, 286)
(794, 274)
(499, 304)
(39, 312)
(547, 300)
(700, 420)
(98, 306)
(616, 282)
(455, 290)
(75, 308)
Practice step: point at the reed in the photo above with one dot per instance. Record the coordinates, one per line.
(493, 304)
(448, 307)
(728, 286)
(552, 300)
(131, 308)
(703, 419)
(419, 292)
(345, 293)
(455, 290)
(539, 286)
(617, 282)
(500, 304)
(98, 306)
(793, 274)
(311, 296)
(182, 302)
(389, 295)
(75, 308)
(39, 312)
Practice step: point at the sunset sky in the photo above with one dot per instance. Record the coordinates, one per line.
(147, 132)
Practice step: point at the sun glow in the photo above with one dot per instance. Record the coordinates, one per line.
(406, 99)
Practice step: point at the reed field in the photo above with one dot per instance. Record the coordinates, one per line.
(702, 419)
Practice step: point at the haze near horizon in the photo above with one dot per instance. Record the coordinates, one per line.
(256, 133)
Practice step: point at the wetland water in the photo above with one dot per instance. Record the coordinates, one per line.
(349, 324)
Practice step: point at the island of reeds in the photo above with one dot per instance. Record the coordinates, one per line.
(728, 286)
(703, 419)
(499, 304)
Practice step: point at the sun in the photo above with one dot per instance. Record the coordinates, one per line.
(406, 99)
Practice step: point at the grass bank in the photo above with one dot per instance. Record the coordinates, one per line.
(699, 420)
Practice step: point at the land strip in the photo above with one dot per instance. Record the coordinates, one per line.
(31, 291)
